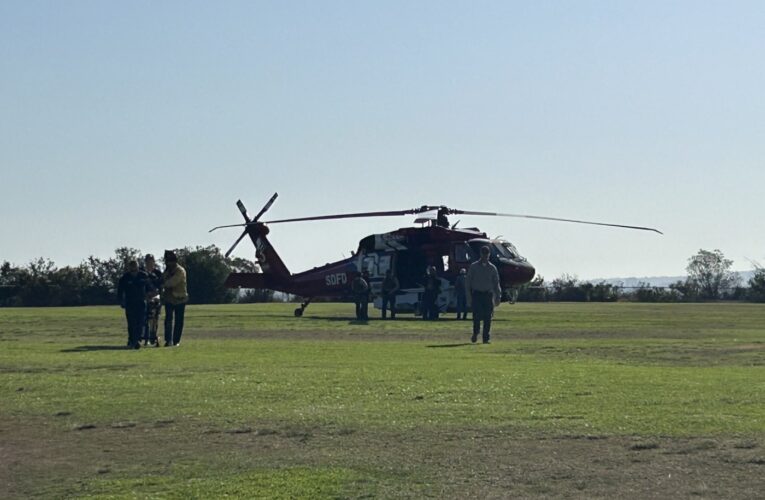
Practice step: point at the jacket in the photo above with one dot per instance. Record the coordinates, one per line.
(174, 283)
(132, 289)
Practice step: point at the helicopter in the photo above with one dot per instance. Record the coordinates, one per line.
(406, 252)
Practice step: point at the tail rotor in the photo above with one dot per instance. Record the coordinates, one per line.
(248, 222)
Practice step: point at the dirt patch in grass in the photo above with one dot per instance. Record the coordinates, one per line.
(40, 458)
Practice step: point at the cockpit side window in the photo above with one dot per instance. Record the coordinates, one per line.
(507, 250)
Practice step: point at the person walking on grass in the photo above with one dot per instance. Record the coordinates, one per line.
(174, 297)
(132, 290)
(483, 293)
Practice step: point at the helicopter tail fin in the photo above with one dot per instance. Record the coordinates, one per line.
(268, 258)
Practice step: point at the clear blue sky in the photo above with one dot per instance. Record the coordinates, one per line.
(141, 123)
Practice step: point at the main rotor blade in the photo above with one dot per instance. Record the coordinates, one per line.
(537, 217)
(348, 216)
(229, 225)
(265, 207)
(244, 233)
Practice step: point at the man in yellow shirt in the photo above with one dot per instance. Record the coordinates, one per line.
(175, 297)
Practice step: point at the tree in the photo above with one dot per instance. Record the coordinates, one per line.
(709, 272)
(9, 285)
(603, 292)
(757, 284)
(533, 291)
(206, 273)
(105, 274)
(647, 293)
(566, 288)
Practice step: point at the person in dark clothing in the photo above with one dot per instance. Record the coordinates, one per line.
(153, 304)
(431, 291)
(131, 291)
(461, 294)
(390, 287)
(360, 290)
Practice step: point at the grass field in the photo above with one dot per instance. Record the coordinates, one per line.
(569, 400)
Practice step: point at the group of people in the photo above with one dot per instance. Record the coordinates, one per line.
(143, 291)
(477, 288)
(361, 292)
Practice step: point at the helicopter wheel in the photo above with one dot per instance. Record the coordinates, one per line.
(298, 312)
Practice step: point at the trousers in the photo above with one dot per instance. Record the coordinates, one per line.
(389, 300)
(483, 308)
(135, 317)
(174, 314)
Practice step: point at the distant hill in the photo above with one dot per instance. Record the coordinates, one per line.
(659, 281)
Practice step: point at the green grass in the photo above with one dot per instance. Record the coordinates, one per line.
(321, 390)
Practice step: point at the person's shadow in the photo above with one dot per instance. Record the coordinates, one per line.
(441, 346)
(89, 348)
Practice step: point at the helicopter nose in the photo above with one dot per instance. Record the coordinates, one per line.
(528, 271)
(519, 273)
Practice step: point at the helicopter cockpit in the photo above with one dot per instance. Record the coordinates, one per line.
(507, 250)
(500, 249)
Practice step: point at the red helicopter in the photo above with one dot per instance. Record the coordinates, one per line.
(407, 252)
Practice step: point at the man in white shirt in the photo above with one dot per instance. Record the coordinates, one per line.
(483, 293)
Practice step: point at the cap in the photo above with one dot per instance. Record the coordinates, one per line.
(170, 256)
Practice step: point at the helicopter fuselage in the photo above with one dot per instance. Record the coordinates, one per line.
(407, 252)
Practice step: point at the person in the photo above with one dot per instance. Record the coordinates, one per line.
(390, 287)
(461, 293)
(360, 290)
(131, 291)
(431, 291)
(153, 304)
(483, 293)
(175, 297)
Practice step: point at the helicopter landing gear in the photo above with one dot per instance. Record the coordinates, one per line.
(299, 310)
(510, 295)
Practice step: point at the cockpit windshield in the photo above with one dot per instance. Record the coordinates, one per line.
(507, 250)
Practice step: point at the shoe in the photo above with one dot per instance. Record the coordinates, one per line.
(168, 344)
(137, 345)
(473, 339)
(487, 341)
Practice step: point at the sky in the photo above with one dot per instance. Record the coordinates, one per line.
(141, 123)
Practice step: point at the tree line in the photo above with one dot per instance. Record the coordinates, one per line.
(94, 281)
(709, 277)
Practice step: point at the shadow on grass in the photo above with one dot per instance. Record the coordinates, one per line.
(89, 348)
(374, 320)
(440, 346)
